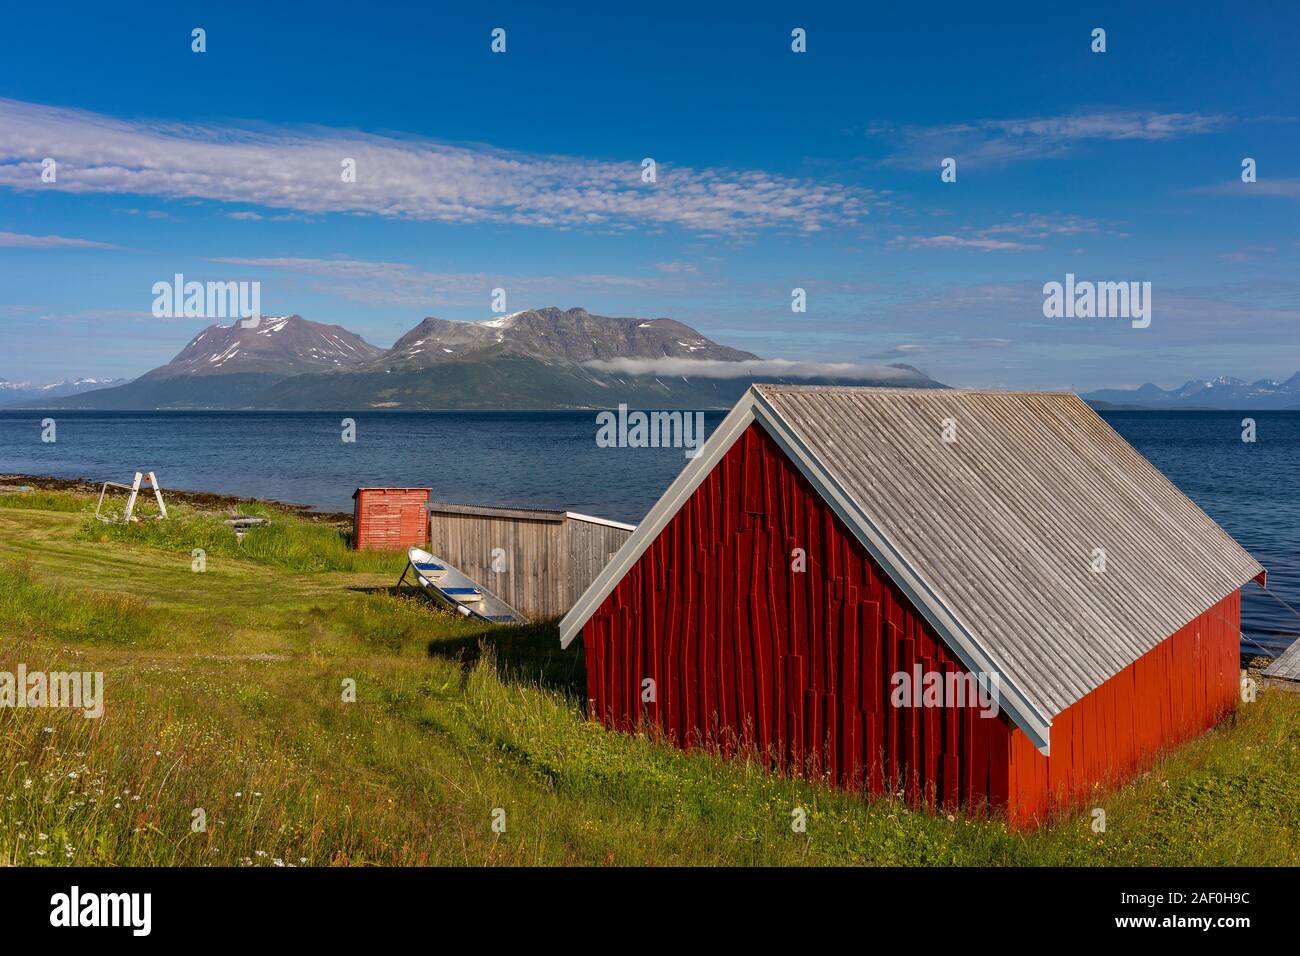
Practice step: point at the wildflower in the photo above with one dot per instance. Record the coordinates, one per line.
(27, 784)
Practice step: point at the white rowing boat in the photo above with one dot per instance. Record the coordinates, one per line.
(453, 588)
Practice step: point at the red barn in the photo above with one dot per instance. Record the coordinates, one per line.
(982, 598)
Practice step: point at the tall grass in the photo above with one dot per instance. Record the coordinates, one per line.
(47, 501)
(285, 542)
(32, 608)
(453, 721)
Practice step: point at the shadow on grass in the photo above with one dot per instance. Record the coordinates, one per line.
(524, 653)
(527, 654)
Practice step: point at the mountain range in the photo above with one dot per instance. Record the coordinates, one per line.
(538, 358)
(1223, 392)
(23, 393)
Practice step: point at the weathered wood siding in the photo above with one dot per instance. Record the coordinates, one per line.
(537, 562)
(1176, 691)
(521, 560)
(590, 547)
(749, 647)
(765, 624)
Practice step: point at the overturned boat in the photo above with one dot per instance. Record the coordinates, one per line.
(453, 589)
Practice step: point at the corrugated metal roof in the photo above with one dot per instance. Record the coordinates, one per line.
(493, 511)
(527, 514)
(1001, 524)
(1287, 666)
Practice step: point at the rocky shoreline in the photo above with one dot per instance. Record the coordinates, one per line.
(201, 500)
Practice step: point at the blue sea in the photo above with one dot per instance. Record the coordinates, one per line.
(551, 460)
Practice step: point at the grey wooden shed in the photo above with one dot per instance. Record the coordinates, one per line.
(538, 561)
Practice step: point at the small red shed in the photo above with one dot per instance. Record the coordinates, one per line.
(981, 598)
(389, 519)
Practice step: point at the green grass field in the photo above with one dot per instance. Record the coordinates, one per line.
(224, 694)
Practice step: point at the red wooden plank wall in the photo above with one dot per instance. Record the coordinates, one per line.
(390, 519)
(1176, 691)
(746, 652)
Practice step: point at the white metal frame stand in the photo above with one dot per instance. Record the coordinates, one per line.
(134, 488)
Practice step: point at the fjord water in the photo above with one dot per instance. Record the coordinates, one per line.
(549, 459)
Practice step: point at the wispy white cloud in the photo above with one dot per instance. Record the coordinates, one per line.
(23, 241)
(1036, 225)
(299, 169)
(998, 141)
(1250, 253)
(1271, 188)
(148, 213)
(401, 284)
(1261, 310)
(994, 238)
(99, 316)
(977, 244)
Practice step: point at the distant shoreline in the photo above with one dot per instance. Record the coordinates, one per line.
(204, 500)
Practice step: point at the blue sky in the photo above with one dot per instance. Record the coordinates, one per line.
(775, 170)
